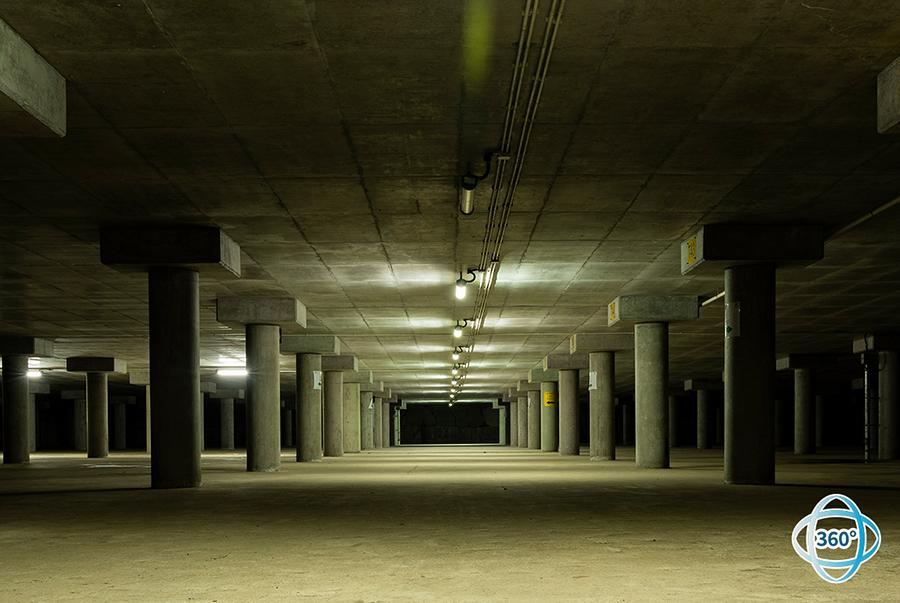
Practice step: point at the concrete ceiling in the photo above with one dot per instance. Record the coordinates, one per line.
(326, 138)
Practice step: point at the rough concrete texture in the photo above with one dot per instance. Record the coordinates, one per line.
(653, 308)
(889, 98)
(730, 243)
(601, 342)
(566, 361)
(409, 524)
(341, 363)
(95, 364)
(195, 247)
(351, 417)
(260, 310)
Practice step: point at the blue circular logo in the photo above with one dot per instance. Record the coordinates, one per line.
(862, 531)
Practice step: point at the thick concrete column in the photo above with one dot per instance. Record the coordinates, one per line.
(702, 419)
(16, 448)
(651, 384)
(351, 432)
(534, 419)
(386, 424)
(79, 418)
(522, 420)
(502, 414)
(97, 415)
(513, 424)
(377, 427)
(119, 426)
(309, 407)
(174, 295)
(147, 420)
(568, 412)
(820, 419)
(263, 398)
(334, 413)
(549, 417)
(889, 405)
(603, 406)
(673, 422)
(804, 412)
(750, 374)
(366, 420)
(226, 424)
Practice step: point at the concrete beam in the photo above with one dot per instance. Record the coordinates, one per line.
(73, 394)
(38, 387)
(705, 384)
(26, 346)
(195, 247)
(310, 344)
(286, 312)
(374, 387)
(889, 99)
(543, 375)
(139, 376)
(95, 364)
(600, 342)
(32, 92)
(527, 386)
(361, 377)
(227, 394)
(566, 361)
(208, 387)
(653, 308)
(876, 342)
(831, 362)
(340, 363)
(752, 244)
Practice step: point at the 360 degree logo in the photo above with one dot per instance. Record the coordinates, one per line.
(860, 531)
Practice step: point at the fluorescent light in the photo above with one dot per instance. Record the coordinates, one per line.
(460, 289)
(34, 374)
(34, 362)
(455, 355)
(457, 332)
(232, 372)
(453, 381)
(454, 371)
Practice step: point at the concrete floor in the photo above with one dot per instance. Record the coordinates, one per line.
(414, 524)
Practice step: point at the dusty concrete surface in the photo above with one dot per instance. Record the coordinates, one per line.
(438, 523)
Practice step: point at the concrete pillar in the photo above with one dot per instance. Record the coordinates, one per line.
(651, 384)
(366, 420)
(32, 423)
(79, 418)
(226, 424)
(534, 420)
(119, 426)
(513, 424)
(549, 417)
(820, 419)
(501, 423)
(97, 415)
(309, 407)
(889, 406)
(702, 419)
(263, 398)
(377, 428)
(386, 424)
(673, 422)
(804, 412)
(334, 413)
(396, 426)
(16, 448)
(147, 420)
(602, 410)
(174, 296)
(750, 374)
(568, 412)
(522, 420)
(351, 417)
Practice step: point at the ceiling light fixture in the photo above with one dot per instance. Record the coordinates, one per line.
(460, 325)
(463, 280)
(34, 374)
(469, 181)
(232, 372)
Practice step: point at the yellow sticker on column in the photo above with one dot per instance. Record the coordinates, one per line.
(691, 251)
(612, 310)
(549, 398)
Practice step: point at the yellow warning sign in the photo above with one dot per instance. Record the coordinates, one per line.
(549, 398)
(691, 250)
(613, 310)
